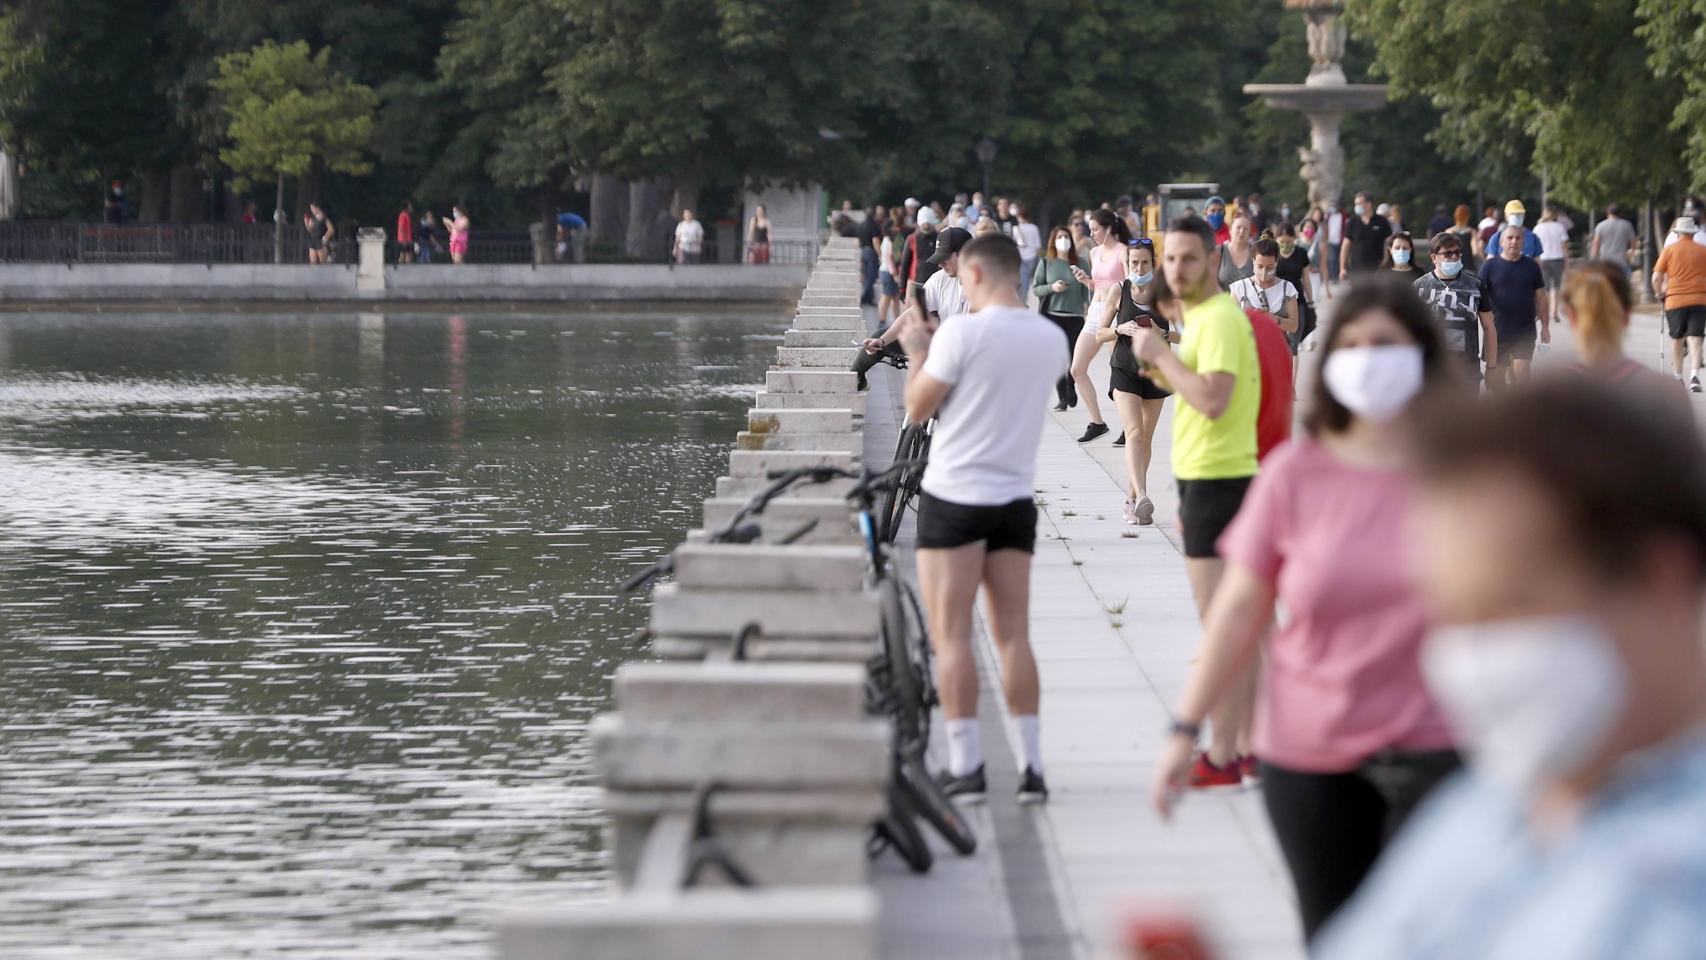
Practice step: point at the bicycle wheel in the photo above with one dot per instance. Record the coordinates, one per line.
(924, 795)
(904, 693)
(924, 665)
(912, 480)
(891, 506)
(896, 831)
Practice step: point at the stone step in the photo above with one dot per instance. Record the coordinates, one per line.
(769, 923)
(819, 420)
(842, 301)
(850, 442)
(834, 518)
(680, 756)
(728, 566)
(810, 838)
(759, 463)
(777, 534)
(813, 381)
(792, 649)
(793, 613)
(745, 488)
(853, 311)
(816, 358)
(847, 326)
(731, 692)
(766, 400)
(823, 338)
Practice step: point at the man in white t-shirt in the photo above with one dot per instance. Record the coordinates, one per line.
(943, 298)
(986, 377)
(689, 239)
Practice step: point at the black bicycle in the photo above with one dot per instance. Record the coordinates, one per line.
(900, 680)
(913, 446)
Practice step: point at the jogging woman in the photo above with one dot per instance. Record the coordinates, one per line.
(1138, 398)
(1349, 737)
(758, 236)
(1062, 299)
(1107, 269)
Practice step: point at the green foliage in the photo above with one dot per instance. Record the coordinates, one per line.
(287, 107)
(1558, 87)
(1675, 34)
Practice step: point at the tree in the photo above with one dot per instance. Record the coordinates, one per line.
(286, 109)
(1559, 88)
(1675, 34)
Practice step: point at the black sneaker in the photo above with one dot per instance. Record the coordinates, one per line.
(970, 788)
(1093, 431)
(1032, 789)
(863, 383)
(1119, 441)
(1694, 384)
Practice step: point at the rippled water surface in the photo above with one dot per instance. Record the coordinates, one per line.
(302, 619)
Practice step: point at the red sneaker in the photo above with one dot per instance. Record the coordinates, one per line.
(1206, 776)
(1247, 768)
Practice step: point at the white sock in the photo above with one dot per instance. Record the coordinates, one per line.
(1031, 742)
(965, 752)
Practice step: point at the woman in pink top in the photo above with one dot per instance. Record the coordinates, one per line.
(1348, 736)
(1107, 269)
(458, 234)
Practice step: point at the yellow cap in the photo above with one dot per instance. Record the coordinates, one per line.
(1515, 206)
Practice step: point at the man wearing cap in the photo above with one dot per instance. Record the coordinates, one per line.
(939, 299)
(1680, 278)
(1214, 211)
(1515, 214)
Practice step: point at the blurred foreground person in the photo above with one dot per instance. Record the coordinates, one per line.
(1562, 535)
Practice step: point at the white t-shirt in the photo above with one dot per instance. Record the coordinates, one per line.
(885, 255)
(943, 296)
(1248, 293)
(1554, 238)
(1699, 237)
(1002, 363)
(689, 235)
(1028, 239)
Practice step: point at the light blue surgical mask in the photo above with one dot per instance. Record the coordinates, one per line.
(1361, 210)
(1449, 269)
(1141, 279)
(1401, 257)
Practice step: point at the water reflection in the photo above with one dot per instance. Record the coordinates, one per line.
(302, 618)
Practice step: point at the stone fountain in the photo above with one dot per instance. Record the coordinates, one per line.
(1324, 98)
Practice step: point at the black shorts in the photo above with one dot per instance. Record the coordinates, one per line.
(1516, 348)
(1125, 381)
(943, 525)
(1206, 509)
(1686, 322)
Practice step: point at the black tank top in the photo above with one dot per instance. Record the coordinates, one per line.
(1130, 310)
(760, 234)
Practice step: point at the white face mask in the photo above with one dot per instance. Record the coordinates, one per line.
(1514, 219)
(1140, 279)
(1528, 698)
(1375, 383)
(1062, 245)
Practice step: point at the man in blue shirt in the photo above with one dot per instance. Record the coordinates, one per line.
(1578, 693)
(1515, 214)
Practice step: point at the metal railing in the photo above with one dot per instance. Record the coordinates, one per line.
(55, 242)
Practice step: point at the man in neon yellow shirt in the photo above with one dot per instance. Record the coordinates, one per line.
(1217, 377)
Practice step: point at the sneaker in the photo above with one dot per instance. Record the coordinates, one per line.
(1694, 384)
(1119, 441)
(1129, 512)
(1145, 510)
(863, 383)
(970, 787)
(1206, 776)
(1032, 789)
(1060, 407)
(1093, 431)
(1248, 769)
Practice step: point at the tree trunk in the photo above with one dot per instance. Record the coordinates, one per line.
(607, 220)
(278, 223)
(188, 202)
(156, 186)
(648, 202)
(686, 197)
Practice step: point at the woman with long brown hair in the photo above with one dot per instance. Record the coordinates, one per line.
(1062, 299)
(1107, 269)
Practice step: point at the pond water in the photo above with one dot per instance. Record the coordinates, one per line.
(303, 618)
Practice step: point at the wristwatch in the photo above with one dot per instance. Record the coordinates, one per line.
(1179, 728)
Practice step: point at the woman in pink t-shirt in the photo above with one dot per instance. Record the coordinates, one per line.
(1348, 736)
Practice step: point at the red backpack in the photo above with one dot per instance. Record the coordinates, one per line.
(1273, 355)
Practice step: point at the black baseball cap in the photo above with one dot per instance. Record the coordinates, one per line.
(949, 243)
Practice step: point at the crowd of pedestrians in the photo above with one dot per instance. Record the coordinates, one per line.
(1453, 635)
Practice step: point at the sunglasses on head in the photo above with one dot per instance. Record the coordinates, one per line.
(1140, 242)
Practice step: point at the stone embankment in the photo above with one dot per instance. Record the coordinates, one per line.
(745, 752)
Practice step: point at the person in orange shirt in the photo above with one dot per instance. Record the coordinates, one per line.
(406, 233)
(1680, 279)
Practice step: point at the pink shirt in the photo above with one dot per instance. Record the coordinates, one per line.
(1342, 679)
(1107, 267)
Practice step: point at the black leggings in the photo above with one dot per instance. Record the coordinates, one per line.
(1332, 827)
(1072, 327)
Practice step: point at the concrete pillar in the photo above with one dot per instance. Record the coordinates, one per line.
(370, 271)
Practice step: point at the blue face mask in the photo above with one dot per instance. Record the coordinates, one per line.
(1217, 220)
(1449, 269)
(1402, 257)
(1141, 279)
